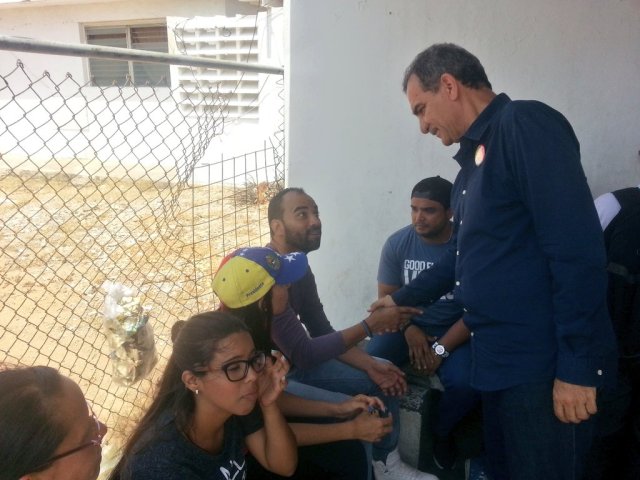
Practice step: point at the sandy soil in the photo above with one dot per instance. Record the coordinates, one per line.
(62, 237)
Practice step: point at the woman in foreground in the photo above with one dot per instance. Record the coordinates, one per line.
(47, 429)
(216, 399)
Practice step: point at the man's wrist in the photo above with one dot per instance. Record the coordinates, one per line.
(369, 367)
(440, 350)
(367, 328)
(334, 410)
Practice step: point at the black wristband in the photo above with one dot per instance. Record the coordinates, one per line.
(367, 330)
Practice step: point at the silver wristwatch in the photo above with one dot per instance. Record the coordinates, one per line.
(440, 350)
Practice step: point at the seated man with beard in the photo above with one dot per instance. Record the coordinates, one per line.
(330, 359)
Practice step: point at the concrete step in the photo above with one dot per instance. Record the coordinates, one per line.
(415, 444)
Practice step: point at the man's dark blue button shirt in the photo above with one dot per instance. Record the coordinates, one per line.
(529, 262)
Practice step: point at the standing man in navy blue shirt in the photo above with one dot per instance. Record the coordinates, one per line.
(528, 266)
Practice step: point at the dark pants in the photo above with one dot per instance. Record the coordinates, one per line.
(344, 460)
(616, 448)
(525, 441)
(458, 398)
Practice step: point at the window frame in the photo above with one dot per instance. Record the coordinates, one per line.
(86, 30)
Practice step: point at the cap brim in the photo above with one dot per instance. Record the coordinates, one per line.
(294, 267)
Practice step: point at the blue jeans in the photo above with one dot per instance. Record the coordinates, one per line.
(458, 398)
(336, 376)
(525, 441)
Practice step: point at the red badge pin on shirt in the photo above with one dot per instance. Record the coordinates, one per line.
(479, 155)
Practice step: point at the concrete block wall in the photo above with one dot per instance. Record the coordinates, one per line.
(413, 413)
(415, 444)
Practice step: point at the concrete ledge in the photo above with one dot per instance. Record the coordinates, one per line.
(412, 410)
(411, 425)
(415, 443)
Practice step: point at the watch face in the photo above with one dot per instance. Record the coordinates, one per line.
(440, 350)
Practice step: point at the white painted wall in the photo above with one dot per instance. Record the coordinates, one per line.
(64, 21)
(354, 146)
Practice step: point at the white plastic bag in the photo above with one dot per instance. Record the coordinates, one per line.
(129, 333)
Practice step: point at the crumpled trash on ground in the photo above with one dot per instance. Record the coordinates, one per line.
(129, 334)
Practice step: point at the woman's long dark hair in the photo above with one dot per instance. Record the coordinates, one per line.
(195, 342)
(257, 316)
(30, 430)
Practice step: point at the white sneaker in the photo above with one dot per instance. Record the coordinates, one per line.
(396, 469)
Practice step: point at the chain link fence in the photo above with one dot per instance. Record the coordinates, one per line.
(108, 183)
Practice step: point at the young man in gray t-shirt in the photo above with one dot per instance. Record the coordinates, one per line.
(435, 341)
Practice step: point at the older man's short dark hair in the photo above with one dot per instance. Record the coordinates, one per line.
(430, 64)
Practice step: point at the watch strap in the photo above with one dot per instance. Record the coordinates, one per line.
(440, 350)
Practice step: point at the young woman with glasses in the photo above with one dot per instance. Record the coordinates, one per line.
(216, 399)
(252, 284)
(47, 429)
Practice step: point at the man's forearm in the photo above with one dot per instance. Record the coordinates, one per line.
(291, 338)
(295, 406)
(457, 334)
(431, 283)
(316, 433)
(352, 335)
(357, 358)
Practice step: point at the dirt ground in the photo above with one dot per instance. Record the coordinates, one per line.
(62, 237)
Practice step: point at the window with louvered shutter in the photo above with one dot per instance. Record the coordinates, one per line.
(221, 38)
(120, 72)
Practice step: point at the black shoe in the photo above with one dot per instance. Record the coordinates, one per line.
(444, 452)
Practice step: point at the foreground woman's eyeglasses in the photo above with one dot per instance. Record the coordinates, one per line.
(96, 442)
(238, 369)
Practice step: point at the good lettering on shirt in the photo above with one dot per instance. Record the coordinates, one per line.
(411, 269)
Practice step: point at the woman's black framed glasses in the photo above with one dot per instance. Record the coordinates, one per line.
(238, 369)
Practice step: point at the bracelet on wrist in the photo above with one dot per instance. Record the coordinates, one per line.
(367, 330)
